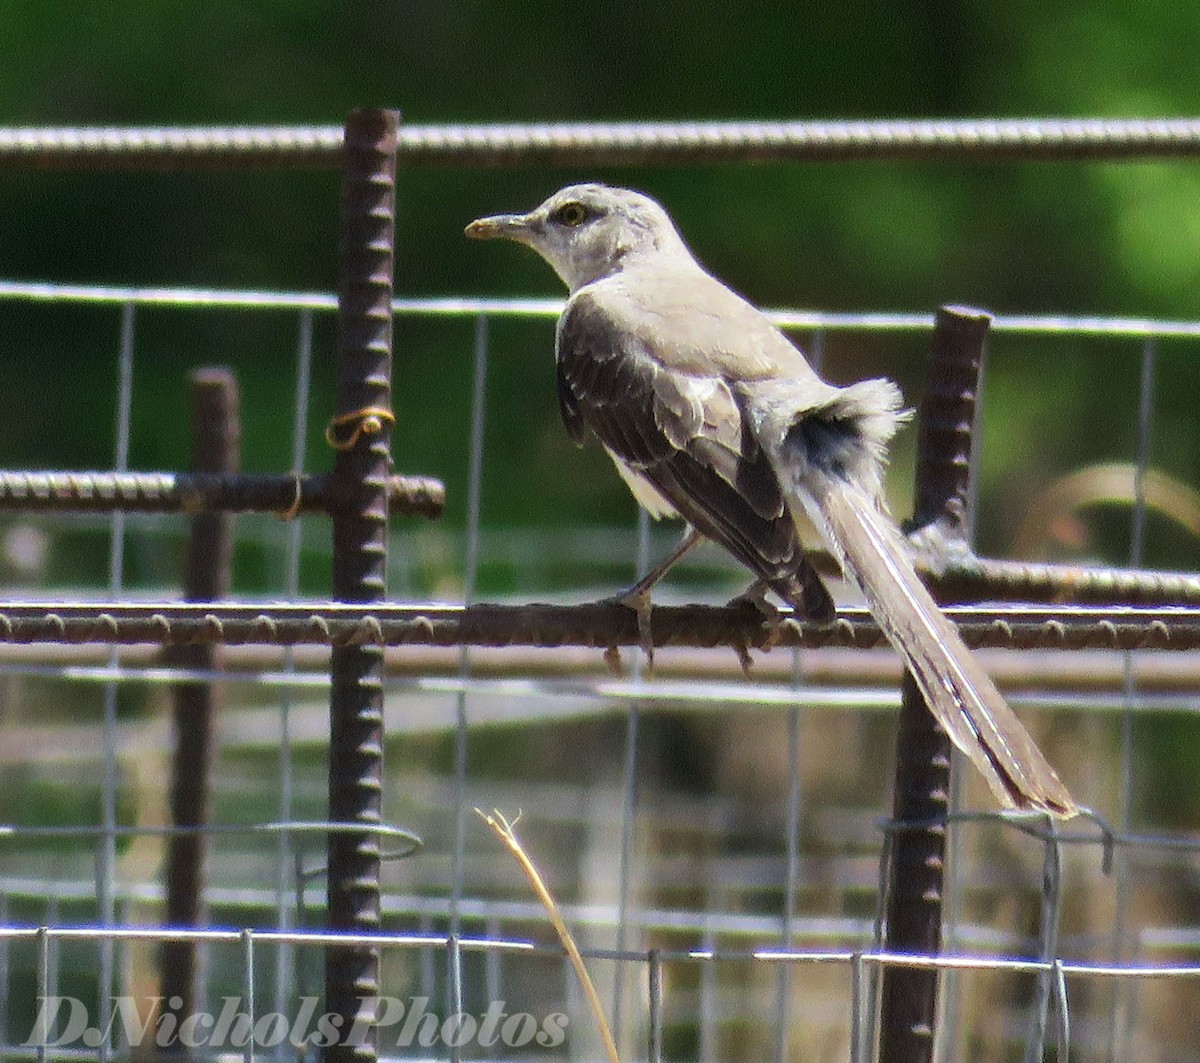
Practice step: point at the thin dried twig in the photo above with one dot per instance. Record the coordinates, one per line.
(505, 830)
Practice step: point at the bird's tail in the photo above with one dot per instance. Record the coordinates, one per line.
(841, 497)
(959, 692)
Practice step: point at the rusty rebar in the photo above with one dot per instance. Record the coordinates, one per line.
(957, 575)
(916, 857)
(216, 432)
(597, 626)
(945, 422)
(603, 144)
(916, 873)
(201, 492)
(364, 370)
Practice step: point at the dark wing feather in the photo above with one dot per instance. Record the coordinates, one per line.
(687, 436)
(569, 408)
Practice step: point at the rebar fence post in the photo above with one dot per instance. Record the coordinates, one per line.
(945, 422)
(361, 468)
(216, 437)
(908, 1015)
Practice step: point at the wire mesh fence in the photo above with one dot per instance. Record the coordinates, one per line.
(715, 839)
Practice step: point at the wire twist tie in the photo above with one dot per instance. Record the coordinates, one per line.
(293, 510)
(367, 421)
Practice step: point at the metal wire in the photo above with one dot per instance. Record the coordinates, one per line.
(1048, 951)
(286, 857)
(1122, 1011)
(455, 306)
(629, 794)
(470, 574)
(1018, 965)
(107, 850)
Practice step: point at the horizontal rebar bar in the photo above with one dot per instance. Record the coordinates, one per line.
(598, 625)
(188, 492)
(624, 143)
(969, 578)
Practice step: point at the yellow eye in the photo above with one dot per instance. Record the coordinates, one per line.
(571, 214)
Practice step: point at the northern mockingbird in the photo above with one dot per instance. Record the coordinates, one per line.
(710, 413)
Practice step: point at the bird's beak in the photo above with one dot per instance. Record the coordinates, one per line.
(501, 227)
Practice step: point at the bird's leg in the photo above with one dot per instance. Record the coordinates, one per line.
(643, 586)
(637, 597)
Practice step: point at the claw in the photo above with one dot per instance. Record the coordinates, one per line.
(744, 658)
(756, 597)
(639, 602)
(612, 657)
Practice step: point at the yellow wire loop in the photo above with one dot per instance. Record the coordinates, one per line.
(366, 421)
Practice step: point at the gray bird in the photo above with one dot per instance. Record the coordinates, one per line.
(712, 414)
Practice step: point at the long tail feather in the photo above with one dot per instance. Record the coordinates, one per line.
(959, 692)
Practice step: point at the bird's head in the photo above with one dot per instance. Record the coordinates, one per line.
(587, 232)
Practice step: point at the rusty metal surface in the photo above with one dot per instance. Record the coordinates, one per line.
(668, 143)
(916, 870)
(221, 147)
(958, 575)
(208, 575)
(946, 419)
(200, 492)
(596, 625)
(364, 371)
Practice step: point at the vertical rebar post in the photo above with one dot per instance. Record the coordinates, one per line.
(216, 435)
(908, 1015)
(946, 419)
(364, 365)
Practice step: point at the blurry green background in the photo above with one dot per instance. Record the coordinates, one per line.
(1073, 238)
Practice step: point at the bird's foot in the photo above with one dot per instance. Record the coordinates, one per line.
(756, 597)
(639, 601)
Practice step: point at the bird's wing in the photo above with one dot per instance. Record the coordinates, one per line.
(568, 407)
(682, 429)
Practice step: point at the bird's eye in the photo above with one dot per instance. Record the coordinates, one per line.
(571, 214)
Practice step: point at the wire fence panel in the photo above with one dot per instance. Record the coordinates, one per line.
(714, 840)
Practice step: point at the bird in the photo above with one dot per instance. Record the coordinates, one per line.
(712, 414)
